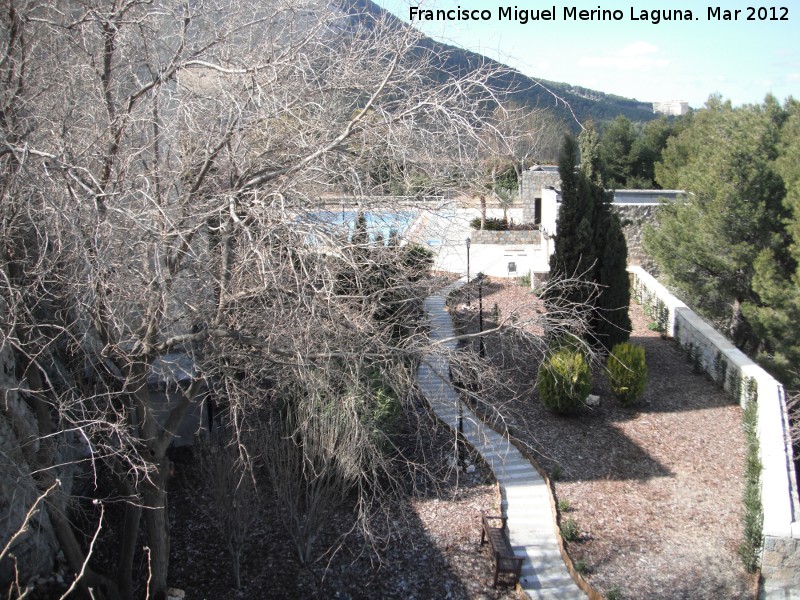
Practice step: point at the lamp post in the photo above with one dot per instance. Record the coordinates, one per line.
(482, 350)
(468, 242)
(460, 435)
(460, 408)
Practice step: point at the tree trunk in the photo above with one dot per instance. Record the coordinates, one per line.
(41, 462)
(130, 532)
(157, 523)
(483, 211)
(740, 331)
(236, 560)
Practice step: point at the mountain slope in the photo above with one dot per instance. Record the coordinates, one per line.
(567, 101)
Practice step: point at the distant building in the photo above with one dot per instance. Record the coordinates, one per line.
(674, 108)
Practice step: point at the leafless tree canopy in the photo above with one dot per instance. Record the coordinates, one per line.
(158, 162)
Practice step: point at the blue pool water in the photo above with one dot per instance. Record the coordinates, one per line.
(378, 222)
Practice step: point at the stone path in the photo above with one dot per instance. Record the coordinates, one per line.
(525, 497)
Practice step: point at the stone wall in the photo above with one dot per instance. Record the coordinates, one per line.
(743, 379)
(531, 188)
(505, 237)
(781, 560)
(634, 217)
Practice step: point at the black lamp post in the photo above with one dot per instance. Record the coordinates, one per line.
(460, 431)
(482, 350)
(468, 242)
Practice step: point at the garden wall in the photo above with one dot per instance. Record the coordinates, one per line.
(505, 237)
(634, 218)
(745, 381)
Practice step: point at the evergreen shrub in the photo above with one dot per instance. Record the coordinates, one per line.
(490, 224)
(627, 372)
(564, 381)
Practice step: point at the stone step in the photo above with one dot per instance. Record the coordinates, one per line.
(530, 570)
(550, 578)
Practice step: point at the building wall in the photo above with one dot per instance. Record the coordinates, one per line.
(531, 186)
(495, 259)
(550, 206)
(635, 215)
(672, 107)
(505, 237)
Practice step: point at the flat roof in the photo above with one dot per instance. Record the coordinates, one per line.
(646, 196)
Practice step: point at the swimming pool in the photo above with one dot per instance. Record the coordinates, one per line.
(378, 222)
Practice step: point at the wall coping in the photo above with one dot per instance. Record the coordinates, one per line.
(516, 237)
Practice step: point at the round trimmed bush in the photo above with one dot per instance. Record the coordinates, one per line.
(564, 381)
(627, 372)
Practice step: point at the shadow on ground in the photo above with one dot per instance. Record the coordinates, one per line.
(598, 447)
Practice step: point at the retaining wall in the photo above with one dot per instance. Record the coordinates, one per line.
(745, 381)
(634, 218)
(505, 237)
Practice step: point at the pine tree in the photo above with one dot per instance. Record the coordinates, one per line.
(616, 153)
(717, 246)
(590, 153)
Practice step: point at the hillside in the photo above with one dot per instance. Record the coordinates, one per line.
(564, 99)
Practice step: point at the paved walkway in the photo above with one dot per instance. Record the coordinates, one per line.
(525, 497)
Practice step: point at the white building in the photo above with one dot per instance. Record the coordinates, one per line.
(517, 253)
(674, 108)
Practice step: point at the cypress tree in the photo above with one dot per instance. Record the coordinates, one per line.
(590, 243)
(574, 243)
(360, 235)
(611, 323)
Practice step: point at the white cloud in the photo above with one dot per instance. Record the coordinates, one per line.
(792, 77)
(638, 56)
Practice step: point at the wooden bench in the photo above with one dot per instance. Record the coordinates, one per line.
(505, 563)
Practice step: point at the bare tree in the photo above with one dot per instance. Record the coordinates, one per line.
(511, 137)
(158, 158)
(231, 504)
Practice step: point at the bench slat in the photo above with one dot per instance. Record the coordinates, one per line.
(504, 559)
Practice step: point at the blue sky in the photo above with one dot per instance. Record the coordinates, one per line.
(681, 60)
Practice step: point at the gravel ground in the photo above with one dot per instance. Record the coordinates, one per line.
(655, 489)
